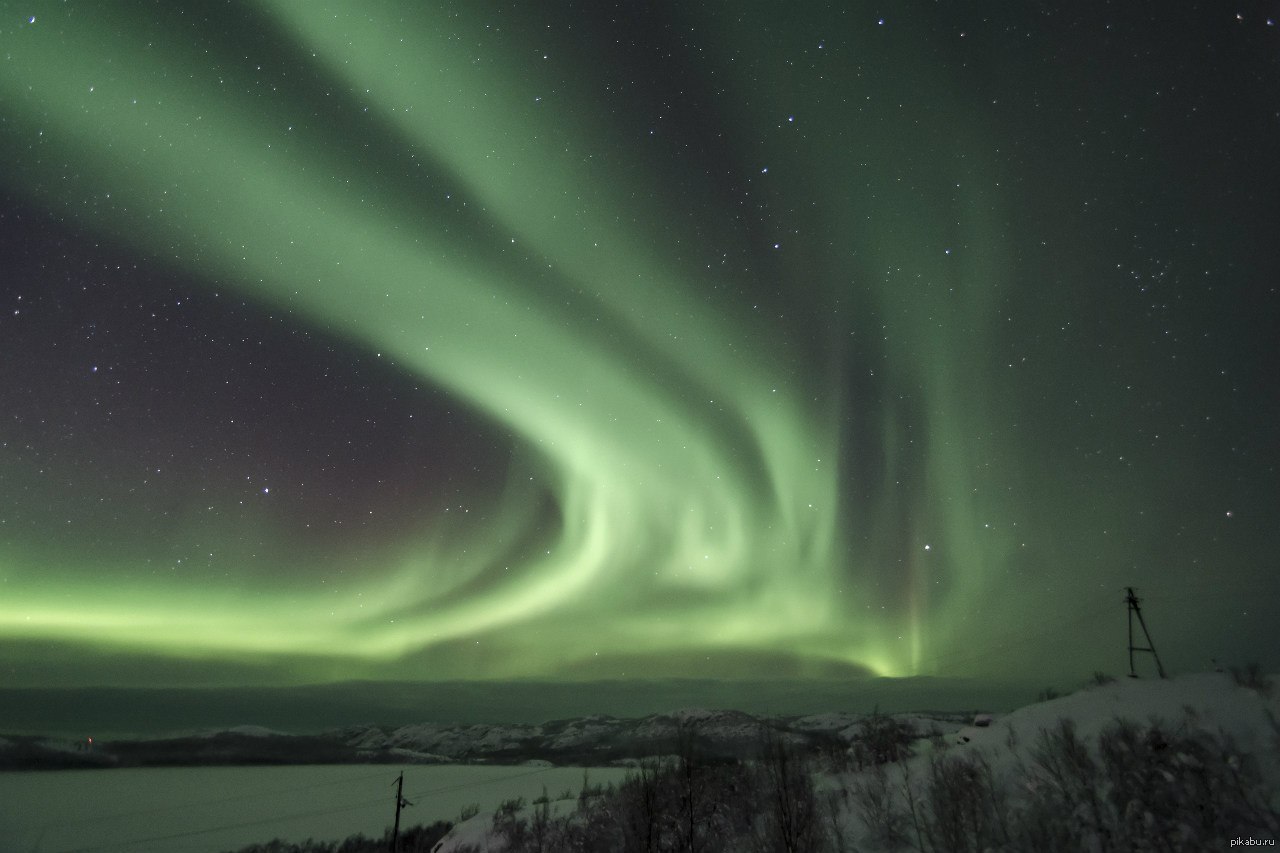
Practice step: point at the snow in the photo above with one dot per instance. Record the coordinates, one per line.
(457, 741)
(478, 831)
(210, 809)
(249, 731)
(1212, 702)
(418, 757)
(220, 808)
(581, 732)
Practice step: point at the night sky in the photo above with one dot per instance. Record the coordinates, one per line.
(568, 341)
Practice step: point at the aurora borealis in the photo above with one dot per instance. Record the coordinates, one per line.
(398, 341)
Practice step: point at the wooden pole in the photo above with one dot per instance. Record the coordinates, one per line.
(401, 802)
(1131, 600)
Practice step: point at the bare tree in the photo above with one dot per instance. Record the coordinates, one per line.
(793, 823)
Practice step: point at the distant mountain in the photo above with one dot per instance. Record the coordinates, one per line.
(584, 741)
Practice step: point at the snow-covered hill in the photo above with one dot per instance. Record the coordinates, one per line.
(602, 740)
(585, 741)
(1038, 774)
(1209, 701)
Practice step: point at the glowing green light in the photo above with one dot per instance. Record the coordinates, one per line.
(697, 475)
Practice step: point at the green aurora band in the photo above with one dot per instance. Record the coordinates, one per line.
(563, 276)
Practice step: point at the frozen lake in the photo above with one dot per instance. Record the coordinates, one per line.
(211, 809)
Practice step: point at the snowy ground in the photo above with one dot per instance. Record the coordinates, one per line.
(210, 809)
(220, 808)
(1211, 702)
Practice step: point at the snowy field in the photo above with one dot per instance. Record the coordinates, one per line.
(208, 809)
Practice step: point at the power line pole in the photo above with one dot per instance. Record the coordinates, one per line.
(401, 802)
(1134, 610)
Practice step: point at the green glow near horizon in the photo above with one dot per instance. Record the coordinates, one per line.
(697, 472)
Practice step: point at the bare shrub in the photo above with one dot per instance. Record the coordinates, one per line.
(881, 739)
(540, 825)
(690, 770)
(1183, 790)
(1137, 788)
(509, 826)
(835, 801)
(690, 803)
(1068, 775)
(1144, 788)
(1252, 677)
(639, 809)
(963, 809)
(414, 839)
(791, 821)
(878, 801)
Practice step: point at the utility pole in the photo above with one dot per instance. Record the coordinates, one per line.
(401, 802)
(1134, 610)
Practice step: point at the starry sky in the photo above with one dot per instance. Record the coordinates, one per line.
(564, 341)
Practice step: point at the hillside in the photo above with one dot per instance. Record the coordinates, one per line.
(1134, 764)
